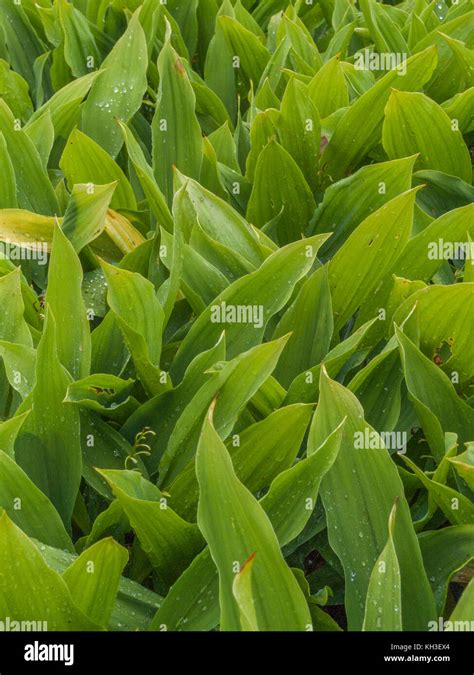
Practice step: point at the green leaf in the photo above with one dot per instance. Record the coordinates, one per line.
(445, 552)
(93, 579)
(300, 130)
(119, 89)
(243, 594)
(422, 120)
(235, 381)
(292, 495)
(457, 508)
(431, 389)
(280, 188)
(259, 454)
(310, 322)
(48, 447)
(251, 53)
(86, 213)
(28, 507)
(369, 483)
(133, 300)
(84, 161)
(368, 254)
(13, 326)
(328, 88)
(8, 199)
(359, 129)
(383, 609)
(463, 612)
(177, 139)
(80, 49)
(168, 540)
(29, 589)
(464, 464)
(34, 189)
(150, 187)
(64, 297)
(235, 526)
(266, 290)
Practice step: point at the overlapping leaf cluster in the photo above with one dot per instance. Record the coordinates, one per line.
(166, 462)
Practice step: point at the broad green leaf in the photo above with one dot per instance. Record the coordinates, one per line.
(77, 89)
(368, 254)
(48, 447)
(252, 55)
(299, 129)
(429, 388)
(140, 315)
(93, 579)
(177, 139)
(378, 388)
(259, 454)
(8, 199)
(14, 90)
(28, 507)
(34, 189)
(448, 76)
(265, 292)
(86, 213)
(19, 361)
(80, 50)
(385, 33)
(150, 187)
(219, 221)
(235, 382)
(349, 201)
(8, 432)
(168, 540)
(360, 128)
(135, 605)
(442, 193)
(383, 609)
(445, 552)
(292, 495)
(161, 413)
(13, 326)
(24, 45)
(310, 322)
(243, 594)
(280, 188)
(119, 89)
(442, 322)
(369, 483)
(29, 589)
(422, 120)
(328, 88)
(84, 161)
(235, 526)
(305, 387)
(64, 297)
(41, 133)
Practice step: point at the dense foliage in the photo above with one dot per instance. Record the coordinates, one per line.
(236, 336)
